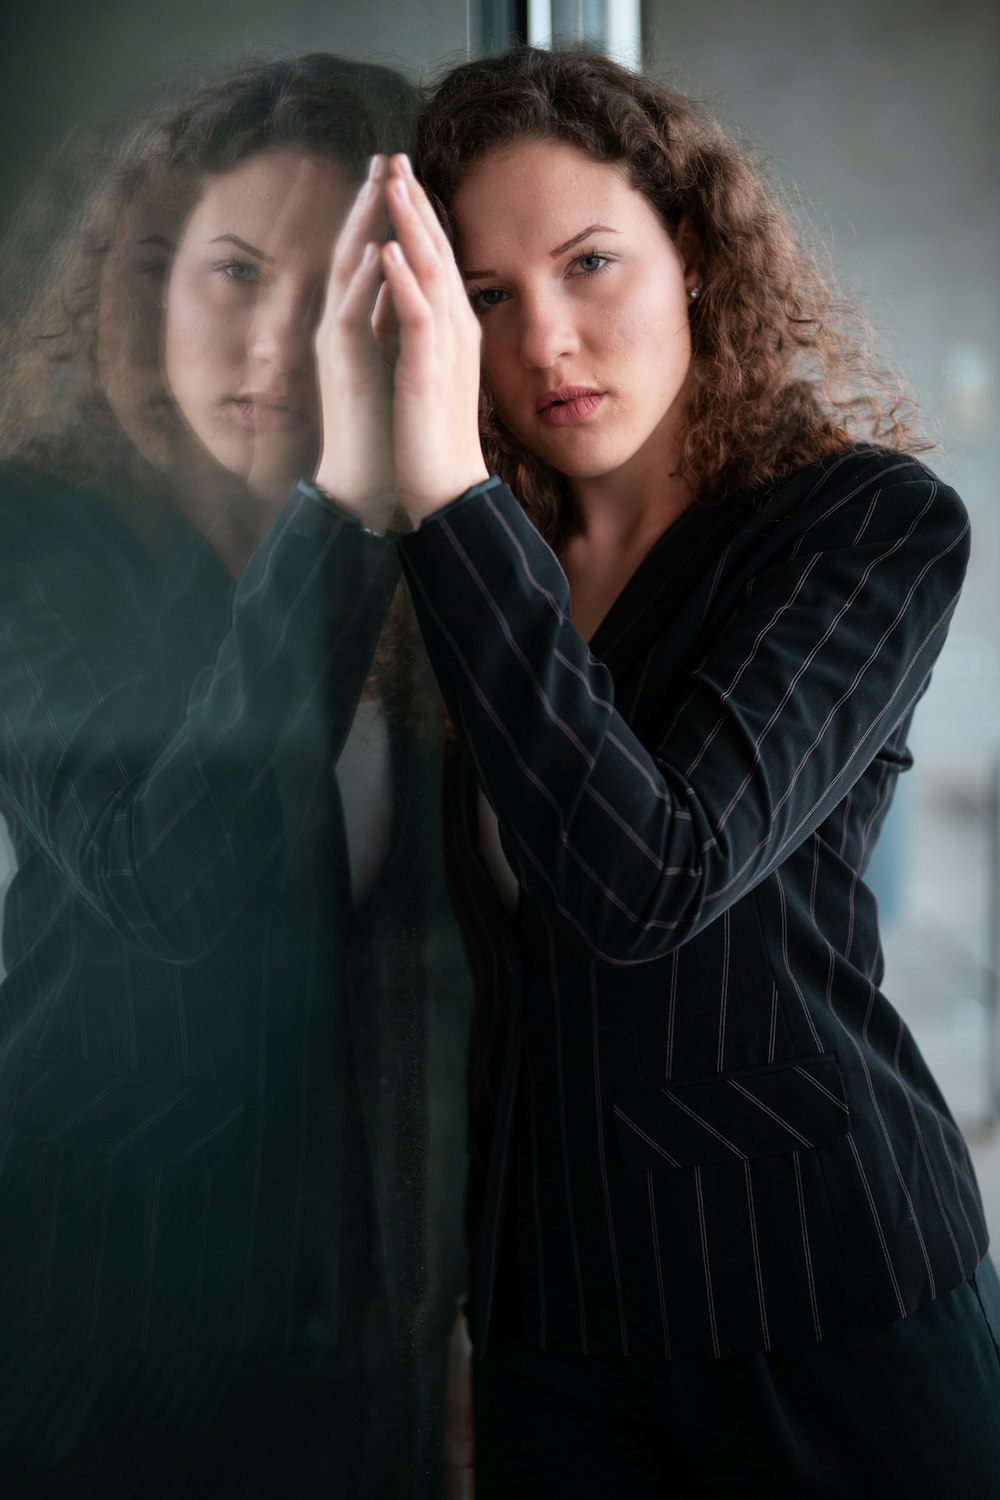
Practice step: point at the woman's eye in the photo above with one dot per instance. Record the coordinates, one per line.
(593, 262)
(237, 270)
(486, 297)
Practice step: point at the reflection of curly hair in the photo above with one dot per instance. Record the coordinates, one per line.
(782, 372)
(53, 412)
(55, 417)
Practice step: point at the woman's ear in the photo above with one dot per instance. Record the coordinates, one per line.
(690, 249)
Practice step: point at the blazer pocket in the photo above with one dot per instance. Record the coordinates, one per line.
(793, 1105)
(136, 1116)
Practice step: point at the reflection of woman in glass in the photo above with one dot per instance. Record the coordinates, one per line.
(726, 1238)
(191, 1297)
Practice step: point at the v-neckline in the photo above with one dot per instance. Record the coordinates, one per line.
(606, 631)
(663, 580)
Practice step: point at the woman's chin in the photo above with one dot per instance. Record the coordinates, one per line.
(577, 454)
(272, 489)
(271, 473)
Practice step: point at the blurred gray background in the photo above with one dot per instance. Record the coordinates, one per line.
(881, 116)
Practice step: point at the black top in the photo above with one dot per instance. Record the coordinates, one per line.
(718, 1132)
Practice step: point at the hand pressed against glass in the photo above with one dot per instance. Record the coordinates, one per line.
(435, 406)
(355, 348)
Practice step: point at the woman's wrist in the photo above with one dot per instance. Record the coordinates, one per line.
(420, 507)
(373, 512)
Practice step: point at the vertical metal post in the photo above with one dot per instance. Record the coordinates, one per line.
(613, 26)
(993, 975)
(540, 23)
(624, 32)
(502, 23)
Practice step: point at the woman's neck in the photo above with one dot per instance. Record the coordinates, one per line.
(612, 528)
(622, 514)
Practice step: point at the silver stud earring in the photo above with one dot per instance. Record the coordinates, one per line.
(693, 293)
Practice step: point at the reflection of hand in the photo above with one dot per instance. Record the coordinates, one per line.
(435, 413)
(356, 468)
(459, 1483)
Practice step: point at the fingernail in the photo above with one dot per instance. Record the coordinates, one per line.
(406, 164)
(375, 168)
(393, 252)
(401, 188)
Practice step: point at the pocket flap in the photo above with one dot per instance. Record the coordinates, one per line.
(136, 1116)
(788, 1106)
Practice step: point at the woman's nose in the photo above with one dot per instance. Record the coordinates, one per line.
(548, 332)
(282, 334)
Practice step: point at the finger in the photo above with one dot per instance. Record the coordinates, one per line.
(412, 194)
(361, 293)
(412, 307)
(400, 170)
(430, 261)
(401, 167)
(367, 220)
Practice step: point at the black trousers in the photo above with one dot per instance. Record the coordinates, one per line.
(907, 1408)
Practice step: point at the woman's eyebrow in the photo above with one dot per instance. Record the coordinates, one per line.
(156, 239)
(590, 229)
(559, 250)
(234, 239)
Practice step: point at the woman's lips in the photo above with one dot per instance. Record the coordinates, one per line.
(568, 412)
(268, 416)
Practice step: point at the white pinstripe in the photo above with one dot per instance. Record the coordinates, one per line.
(655, 1145)
(705, 1262)
(659, 1266)
(810, 1274)
(756, 1258)
(703, 1123)
(723, 997)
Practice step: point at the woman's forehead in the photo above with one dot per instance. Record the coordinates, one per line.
(542, 191)
(542, 159)
(274, 196)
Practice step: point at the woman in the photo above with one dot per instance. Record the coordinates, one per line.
(725, 1236)
(214, 1229)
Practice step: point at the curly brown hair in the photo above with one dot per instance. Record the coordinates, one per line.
(782, 372)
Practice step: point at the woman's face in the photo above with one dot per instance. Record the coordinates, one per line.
(582, 295)
(245, 293)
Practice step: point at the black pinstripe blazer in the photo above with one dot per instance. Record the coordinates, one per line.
(698, 1126)
(183, 1156)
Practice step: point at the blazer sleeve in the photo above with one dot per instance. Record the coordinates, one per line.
(171, 824)
(826, 649)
